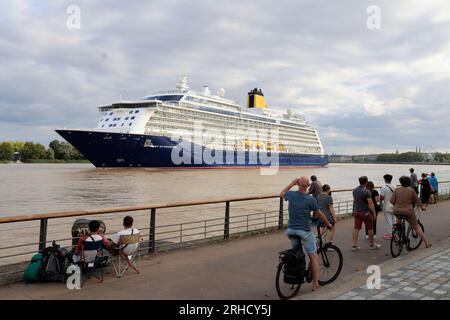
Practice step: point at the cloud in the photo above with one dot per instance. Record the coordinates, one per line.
(364, 90)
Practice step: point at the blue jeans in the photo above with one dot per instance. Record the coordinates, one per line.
(308, 239)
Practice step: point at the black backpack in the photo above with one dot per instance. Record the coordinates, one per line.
(53, 265)
(294, 265)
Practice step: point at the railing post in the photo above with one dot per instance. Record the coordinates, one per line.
(280, 215)
(43, 234)
(151, 235)
(181, 233)
(226, 229)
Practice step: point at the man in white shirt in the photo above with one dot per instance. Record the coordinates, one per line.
(385, 195)
(128, 229)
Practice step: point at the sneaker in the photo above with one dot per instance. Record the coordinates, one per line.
(355, 248)
(387, 237)
(375, 246)
(367, 237)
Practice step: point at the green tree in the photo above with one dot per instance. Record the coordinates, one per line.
(65, 151)
(50, 154)
(6, 151)
(58, 149)
(32, 151)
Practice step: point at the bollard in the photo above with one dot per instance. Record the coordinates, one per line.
(151, 235)
(226, 229)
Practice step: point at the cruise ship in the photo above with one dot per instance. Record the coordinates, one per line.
(184, 128)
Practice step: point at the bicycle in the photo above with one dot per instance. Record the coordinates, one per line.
(410, 238)
(330, 266)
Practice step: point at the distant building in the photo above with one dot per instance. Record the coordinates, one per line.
(16, 156)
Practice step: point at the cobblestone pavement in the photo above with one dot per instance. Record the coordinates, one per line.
(426, 279)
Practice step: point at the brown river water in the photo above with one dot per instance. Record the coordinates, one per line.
(37, 188)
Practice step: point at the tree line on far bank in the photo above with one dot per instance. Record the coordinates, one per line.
(411, 157)
(30, 151)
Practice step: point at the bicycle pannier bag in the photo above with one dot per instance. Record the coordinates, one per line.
(294, 266)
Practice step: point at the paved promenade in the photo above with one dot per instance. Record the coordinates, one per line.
(245, 269)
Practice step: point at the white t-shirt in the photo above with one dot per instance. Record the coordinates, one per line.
(386, 192)
(130, 248)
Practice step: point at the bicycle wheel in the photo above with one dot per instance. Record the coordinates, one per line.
(330, 263)
(285, 290)
(396, 243)
(414, 240)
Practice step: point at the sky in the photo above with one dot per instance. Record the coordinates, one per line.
(370, 81)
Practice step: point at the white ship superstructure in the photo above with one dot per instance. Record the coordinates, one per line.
(226, 125)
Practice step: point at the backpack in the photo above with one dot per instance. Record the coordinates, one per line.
(53, 265)
(31, 273)
(294, 265)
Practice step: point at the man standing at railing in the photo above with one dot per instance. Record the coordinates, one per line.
(388, 209)
(434, 183)
(414, 181)
(364, 213)
(315, 188)
(301, 204)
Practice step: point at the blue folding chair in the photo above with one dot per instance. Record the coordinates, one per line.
(92, 259)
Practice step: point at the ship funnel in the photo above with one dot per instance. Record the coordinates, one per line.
(183, 84)
(256, 99)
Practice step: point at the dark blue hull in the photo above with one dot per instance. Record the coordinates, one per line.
(133, 150)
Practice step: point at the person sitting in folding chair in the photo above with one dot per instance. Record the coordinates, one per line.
(88, 253)
(127, 247)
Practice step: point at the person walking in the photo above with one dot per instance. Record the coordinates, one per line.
(425, 190)
(388, 209)
(414, 181)
(435, 185)
(325, 203)
(315, 188)
(403, 199)
(301, 204)
(375, 200)
(364, 212)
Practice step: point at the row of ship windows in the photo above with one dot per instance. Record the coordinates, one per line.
(130, 112)
(154, 124)
(289, 144)
(255, 117)
(115, 125)
(169, 114)
(117, 119)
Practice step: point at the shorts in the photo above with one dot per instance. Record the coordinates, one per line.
(308, 239)
(330, 220)
(361, 217)
(410, 217)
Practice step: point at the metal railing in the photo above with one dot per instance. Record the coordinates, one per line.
(171, 235)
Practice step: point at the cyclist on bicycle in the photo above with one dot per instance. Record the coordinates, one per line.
(404, 199)
(300, 206)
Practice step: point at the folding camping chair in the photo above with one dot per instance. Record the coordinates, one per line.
(92, 259)
(126, 260)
